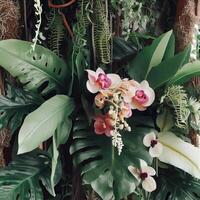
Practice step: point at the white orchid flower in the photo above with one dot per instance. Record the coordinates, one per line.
(144, 175)
(151, 141)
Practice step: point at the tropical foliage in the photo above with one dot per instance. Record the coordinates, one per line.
(119, 115)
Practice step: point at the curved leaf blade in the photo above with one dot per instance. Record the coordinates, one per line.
(33, 68)
(41, 124)
(186, 73)
(149, 57)
(180, 154)
(166, 69)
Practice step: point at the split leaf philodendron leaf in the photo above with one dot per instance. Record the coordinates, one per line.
(21, 178)
(180, 154)
(35, 69)
(149, 57)
(41, 124)
(98, 160)
(186, 73)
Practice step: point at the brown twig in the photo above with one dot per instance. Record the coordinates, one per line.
(65, 21)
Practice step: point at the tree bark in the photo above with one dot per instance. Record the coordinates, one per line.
(187, 16)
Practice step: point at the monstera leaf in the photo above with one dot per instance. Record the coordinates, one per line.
(174, 184)
(34, 69)
(15, 105)
(100, 164)
(20, 180)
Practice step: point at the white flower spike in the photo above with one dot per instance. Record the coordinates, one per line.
(144, 175)
(151, 141)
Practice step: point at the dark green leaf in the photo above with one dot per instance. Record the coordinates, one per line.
(34, 69)
(20, 180)
(165, 70)
(15, 105)
(98, 160)
(174, 184)
(122, 49)
(149, 57)
(186, 73)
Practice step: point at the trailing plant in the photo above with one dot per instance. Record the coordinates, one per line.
(56, 31)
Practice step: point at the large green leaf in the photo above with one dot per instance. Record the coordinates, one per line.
(41, 124)
(176, 185)
(20, 180)
(100, 164)
(186, 73)
(34, 69)
(149, 57)
(15, 105)
(166, 69)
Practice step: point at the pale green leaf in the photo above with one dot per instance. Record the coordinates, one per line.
(41, 124)
(180, 154)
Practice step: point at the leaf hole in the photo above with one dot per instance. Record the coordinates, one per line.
(54, 70)
(34, 58)
(46, 64)
(59, 71)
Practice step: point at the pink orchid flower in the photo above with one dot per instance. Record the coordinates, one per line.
(125, 112)
(151, 141)
(144, 175)
(103, 125)
(140, 96)
(100, 81)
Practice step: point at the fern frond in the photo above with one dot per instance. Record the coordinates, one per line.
(102, 35)
(176, 97)
(56, 31)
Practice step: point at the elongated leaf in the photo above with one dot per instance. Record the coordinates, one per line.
(34, 69)
(15, 105)
(186, 73)
(20, 180)
(166, 69)
(99, 160)
(149, 57)
(180, 154)
(41, 124)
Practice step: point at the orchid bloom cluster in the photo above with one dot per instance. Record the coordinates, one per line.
(116, 98)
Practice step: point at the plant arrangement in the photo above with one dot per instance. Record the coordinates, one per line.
(121, 116)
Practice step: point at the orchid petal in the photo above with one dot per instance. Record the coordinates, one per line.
(134, 171)
(92, 87)
(148, 138)
(115, 80)
(149, 170)
(156, 150)
(92, 76)
(100, 71)
(149, 184)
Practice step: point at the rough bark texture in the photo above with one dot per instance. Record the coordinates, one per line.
(9, 28)
(188, 14)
